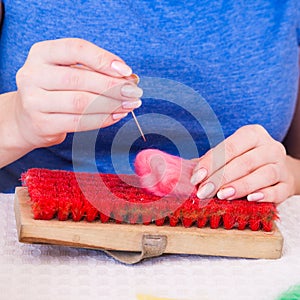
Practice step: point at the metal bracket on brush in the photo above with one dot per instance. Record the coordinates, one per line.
(152, 246)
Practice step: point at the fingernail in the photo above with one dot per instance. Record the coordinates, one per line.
(206, 190)
(133, 91)
(119, 116)
(255, 196)
(226, 193)
(131, 104)
(198, 176)
(121, 68)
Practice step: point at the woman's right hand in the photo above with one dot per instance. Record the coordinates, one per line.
(70, 85)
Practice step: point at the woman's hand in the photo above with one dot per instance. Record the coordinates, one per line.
(249, 163)
(70, 85)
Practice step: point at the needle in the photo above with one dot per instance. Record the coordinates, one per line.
(138, 126)
(136, 79)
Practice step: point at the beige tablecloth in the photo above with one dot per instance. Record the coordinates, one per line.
(55, 272)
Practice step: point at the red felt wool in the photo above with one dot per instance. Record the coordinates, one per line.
(164, 174)
(57, 194)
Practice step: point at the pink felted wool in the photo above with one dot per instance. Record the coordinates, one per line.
(163, 174)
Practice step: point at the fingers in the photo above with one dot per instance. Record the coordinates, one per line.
(267, 183)
(243, 140)
(77, 90)
(250, 167)
(263, 177)
(241, 165)
(61, 78)
(53, 124)
(70, 102)
(73, 51)
(72, 85)
(276, 193)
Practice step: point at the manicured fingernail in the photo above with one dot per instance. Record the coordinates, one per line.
(119, 116)
(129, 90)
(121, 68)
(206, 190)
(226, 193)
(198, 176)
(131, 104)
(255, 196)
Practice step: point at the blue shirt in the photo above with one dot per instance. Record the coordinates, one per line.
(240, 56)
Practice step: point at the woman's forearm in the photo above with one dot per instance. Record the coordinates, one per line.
(12, 145)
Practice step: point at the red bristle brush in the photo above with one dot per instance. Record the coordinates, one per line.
(165, 197)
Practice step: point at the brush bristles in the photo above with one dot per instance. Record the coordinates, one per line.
(57, 194)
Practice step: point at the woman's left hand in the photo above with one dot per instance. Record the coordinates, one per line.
(249, 163)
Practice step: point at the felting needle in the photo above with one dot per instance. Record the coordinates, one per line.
(138, 126)
(136, 79)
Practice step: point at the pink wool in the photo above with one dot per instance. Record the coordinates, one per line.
(164, 174)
